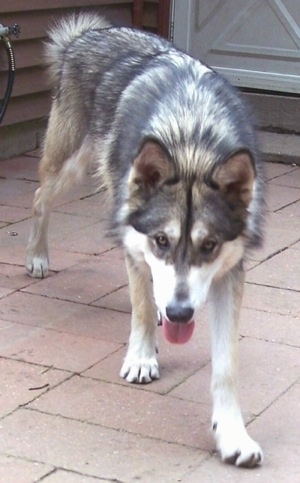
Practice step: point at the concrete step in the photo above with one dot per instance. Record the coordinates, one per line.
(280, 148)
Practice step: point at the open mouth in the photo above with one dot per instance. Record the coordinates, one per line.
(177, 332)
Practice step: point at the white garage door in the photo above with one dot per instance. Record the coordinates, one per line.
(254, 43)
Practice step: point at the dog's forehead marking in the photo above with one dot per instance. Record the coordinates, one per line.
(199, 231)
(173, 229)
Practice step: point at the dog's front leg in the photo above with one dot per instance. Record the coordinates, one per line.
(140, 364)
(233, 442)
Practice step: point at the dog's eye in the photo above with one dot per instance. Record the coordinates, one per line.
(162, 242)
(208, 246)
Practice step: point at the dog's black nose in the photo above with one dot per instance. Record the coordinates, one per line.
(177, 313)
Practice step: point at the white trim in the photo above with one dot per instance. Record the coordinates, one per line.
(261, 80)
(181, 18)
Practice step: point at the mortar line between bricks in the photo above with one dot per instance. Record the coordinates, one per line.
(98, 306)
(8, 223)
(61, 331)
(89, 304)
(279, 175)
(132, 387)
(81, 373)
(23, 290)
(270, 341)
(88, 256)
(98, 425)
(57, 468)
(36, 363)
(207, 458)
(23, 406)
(29, 460)
(286, 186)
(206, 363)
(51, 472)
(109, 293)
(78, 473)
(71, 373)
(273, 286)
(288, 204)
(254, 418)
(269, 257)
(267, 311)
(74, 252)
(96, 192)
(141, 388)
(294, 243)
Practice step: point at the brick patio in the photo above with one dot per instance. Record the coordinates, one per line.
(66, 416)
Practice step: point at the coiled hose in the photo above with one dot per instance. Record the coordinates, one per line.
(4, 37)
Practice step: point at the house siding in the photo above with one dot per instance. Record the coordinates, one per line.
(29, 105)
(25, 120)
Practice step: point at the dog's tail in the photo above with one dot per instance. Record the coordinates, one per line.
(63, 33)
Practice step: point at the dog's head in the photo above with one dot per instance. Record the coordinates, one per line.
(189, 228)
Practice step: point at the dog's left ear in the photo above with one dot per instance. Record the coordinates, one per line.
(151, 167)
(235, 178)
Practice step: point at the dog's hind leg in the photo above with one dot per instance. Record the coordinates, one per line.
(63, 164)
(140, 364)
(53, 184)
(233, 442)
(37, 249)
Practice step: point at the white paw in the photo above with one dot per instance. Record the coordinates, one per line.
(235, 445)
(140, 370)
(37, 266)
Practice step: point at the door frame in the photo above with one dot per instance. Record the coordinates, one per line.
(163, 20)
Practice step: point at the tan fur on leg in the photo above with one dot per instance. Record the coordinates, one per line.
(140, 364)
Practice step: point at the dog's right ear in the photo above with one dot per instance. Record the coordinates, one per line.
(151, 168)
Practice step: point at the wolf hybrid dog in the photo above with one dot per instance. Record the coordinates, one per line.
(176, 151)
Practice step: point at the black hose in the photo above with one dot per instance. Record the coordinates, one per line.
(11, 75)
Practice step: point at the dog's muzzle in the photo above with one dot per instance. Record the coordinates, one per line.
(179, 314)
(178, 326)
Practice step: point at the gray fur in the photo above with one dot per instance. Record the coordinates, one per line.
(194, 113)
(176, 149)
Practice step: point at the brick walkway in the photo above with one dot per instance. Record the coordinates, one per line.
(65, 414)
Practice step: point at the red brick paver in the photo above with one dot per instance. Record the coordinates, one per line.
(65, 414)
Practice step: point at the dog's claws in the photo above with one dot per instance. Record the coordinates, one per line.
(231, 460)
(159, 322)
(140, 372)
(254, 460)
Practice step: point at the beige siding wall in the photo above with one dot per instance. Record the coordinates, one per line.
(28, 108)
(24, 122)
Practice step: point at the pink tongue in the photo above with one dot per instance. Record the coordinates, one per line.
(178, 332)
